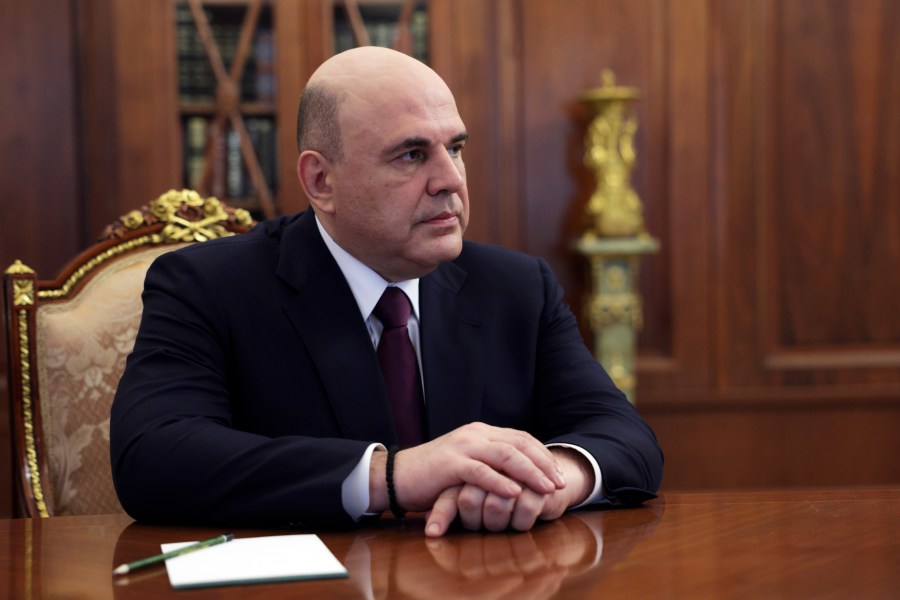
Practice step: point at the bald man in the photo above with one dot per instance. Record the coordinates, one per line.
(254, 394)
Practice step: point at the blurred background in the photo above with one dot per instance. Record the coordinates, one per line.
(768, 164)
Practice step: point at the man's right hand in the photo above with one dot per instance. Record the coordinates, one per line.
(497, 460)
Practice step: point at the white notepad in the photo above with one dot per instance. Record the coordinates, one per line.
(253, 560)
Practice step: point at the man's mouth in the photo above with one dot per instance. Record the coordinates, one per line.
(445, 218)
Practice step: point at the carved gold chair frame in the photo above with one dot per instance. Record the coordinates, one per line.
(176, 218)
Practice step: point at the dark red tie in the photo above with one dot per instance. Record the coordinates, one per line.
(399, 367)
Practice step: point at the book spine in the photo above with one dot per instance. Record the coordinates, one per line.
(265, 66)
(382, 33)
(268, 158)
(183, 28)
(252, 131)
(195, 151)
(418, 31)
(262, 135)
(234, 168)
(217, 187)
(200, 81)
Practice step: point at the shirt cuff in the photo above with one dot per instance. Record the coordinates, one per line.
(597, 493)
(355, 487)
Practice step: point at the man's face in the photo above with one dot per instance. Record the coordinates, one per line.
(400, 198)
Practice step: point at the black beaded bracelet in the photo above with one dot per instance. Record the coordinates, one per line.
(398, 512)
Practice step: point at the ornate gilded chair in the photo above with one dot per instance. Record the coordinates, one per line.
(68, 339)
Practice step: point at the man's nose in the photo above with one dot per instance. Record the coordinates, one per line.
(446, 175)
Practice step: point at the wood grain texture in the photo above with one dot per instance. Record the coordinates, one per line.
(132, 140)
(835, 213)
(801, 544)
(40, 217)
(810, 210)
(733, 444)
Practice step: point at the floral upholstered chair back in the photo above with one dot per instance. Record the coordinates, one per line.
(68, 340)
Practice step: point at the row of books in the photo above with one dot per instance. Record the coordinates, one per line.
(196, 80)
(230, 177)
(381, 24)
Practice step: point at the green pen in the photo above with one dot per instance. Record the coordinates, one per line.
(152, 560)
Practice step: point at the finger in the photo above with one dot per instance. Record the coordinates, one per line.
(470, 504)
(498, 511)
(478, 473)
(553, 507)
(507, 458)
(442, 513)
(424, 472)
(540, 456)
(529, 507)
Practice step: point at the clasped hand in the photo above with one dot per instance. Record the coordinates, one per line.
(492, 477)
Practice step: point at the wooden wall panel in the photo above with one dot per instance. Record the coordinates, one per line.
(132, 142)
(293, 21)
(736, 59)
(751, 446)
(39, 187)
(833, 127)
(835, 213)
(806, 121)
(804, 216)
(661, 49)
(768, 152)
(40, 210)
(682, 299)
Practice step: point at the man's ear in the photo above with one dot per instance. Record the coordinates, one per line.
(315, 175)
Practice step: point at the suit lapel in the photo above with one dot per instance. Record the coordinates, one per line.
(454, 347)
(326, 317)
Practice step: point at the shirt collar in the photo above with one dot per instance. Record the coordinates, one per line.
(367, 285)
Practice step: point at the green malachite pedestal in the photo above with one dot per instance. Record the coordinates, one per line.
(614, 306)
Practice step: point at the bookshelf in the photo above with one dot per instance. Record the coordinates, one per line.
(398, 24)
(228, 57)
(226, 97)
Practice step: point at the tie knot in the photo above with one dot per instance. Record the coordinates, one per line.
(393, 308)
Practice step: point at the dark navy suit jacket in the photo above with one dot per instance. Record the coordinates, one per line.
(254, 389)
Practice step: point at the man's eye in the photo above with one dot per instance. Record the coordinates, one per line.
(455, 150)
(411, 156)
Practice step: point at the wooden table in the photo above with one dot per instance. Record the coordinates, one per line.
(779, 544)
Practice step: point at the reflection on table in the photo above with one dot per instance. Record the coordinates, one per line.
(829, 543)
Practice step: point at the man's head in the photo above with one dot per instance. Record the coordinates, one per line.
(380, 144)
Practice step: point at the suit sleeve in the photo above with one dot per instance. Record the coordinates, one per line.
(177, 455)
(578, 403)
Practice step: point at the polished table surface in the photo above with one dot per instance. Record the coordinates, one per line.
(774, 544)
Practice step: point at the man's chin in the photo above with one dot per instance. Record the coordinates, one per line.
(450, 247)
(440, 251)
